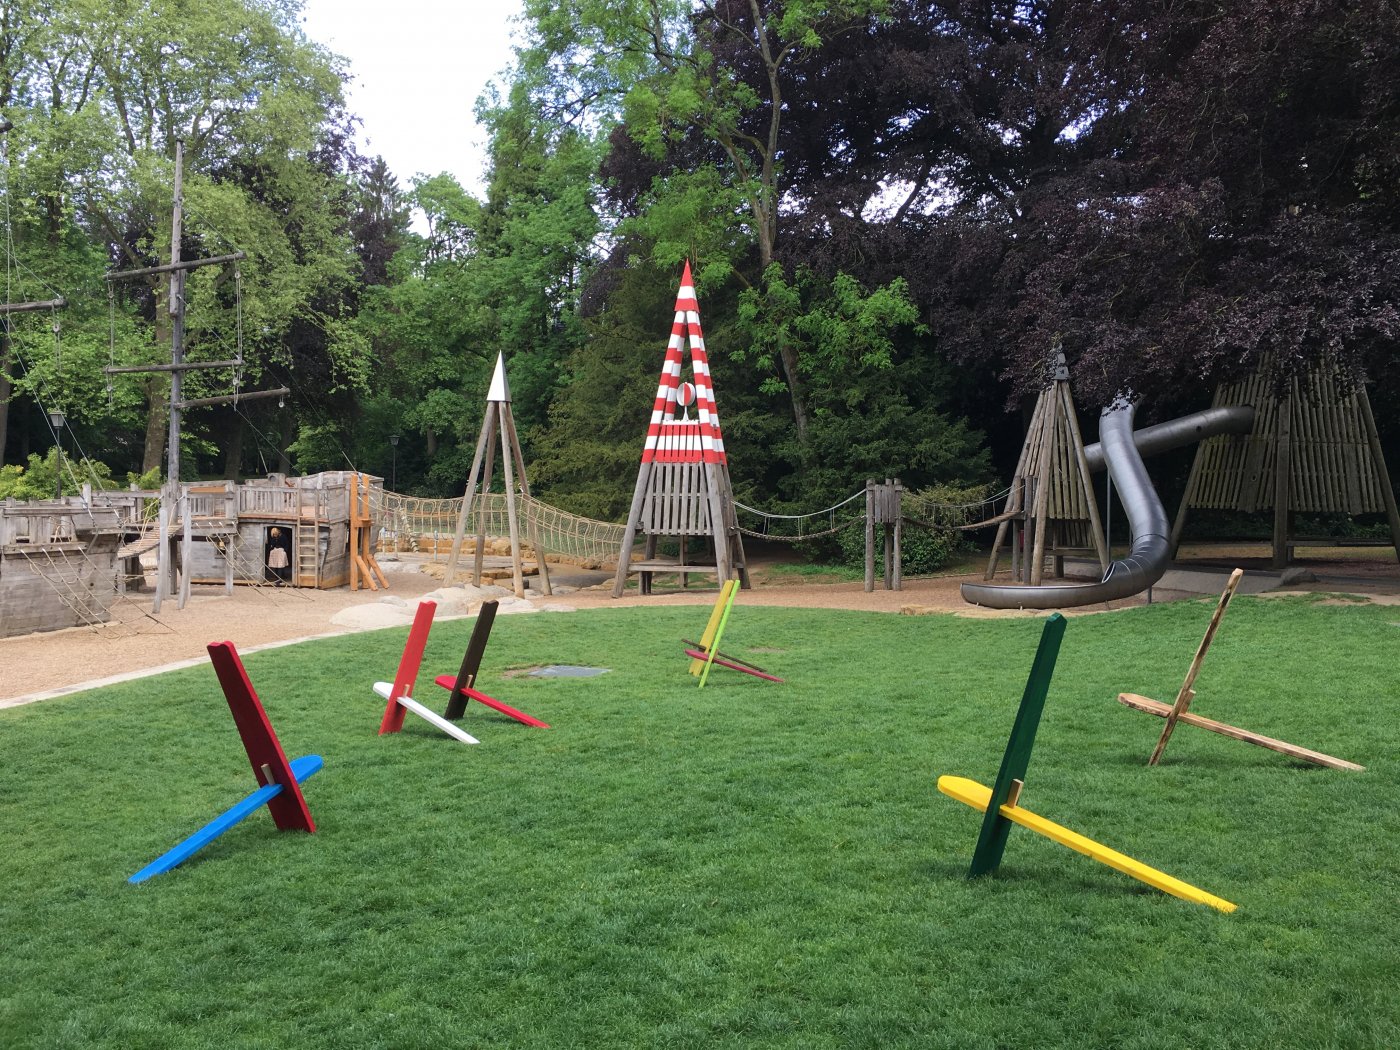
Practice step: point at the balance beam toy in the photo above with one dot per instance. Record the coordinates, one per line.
(706, 653)
(277, 778)
(461, 688)
(1001, 802)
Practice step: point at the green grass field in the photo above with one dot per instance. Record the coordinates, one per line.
(747, 865)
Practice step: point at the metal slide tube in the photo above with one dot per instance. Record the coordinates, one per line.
(1145, 562)
(1185, 430)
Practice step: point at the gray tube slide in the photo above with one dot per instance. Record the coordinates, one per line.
(1145, 562)
(1163, 437)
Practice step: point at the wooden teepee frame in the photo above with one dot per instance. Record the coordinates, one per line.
(683, 486)
(1313, 450)
(499, 423)
(1051, 504)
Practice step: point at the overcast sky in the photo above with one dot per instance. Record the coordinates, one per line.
(418, 68)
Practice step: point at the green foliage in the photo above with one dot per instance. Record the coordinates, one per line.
(38, 479)
(930, 538)
(747, 865)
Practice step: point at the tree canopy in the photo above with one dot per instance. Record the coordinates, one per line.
(893, 209)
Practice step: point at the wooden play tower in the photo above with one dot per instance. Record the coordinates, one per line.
(498, 431)
(1314, 450)
(1051, 508)
(683, 489)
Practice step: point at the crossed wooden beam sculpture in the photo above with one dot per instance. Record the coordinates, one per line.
(1179, 710)
(706, 653)
(399, 693)
(278, 780)
(1001, 802)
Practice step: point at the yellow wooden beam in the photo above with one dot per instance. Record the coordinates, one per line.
(979, 797)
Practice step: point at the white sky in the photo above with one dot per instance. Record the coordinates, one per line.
(418, 68)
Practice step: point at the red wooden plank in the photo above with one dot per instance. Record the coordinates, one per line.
(288, 807)
(407, 674)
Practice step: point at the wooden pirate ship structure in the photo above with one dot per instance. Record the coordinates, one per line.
(224, 532)
(498, 431)
(1051, 510)
(1314, 450)
(683, 490)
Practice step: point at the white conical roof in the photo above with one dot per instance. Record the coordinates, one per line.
(500, 389)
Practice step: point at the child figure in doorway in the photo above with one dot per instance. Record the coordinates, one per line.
(277, 560)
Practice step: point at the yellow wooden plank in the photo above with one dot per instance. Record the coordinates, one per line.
(979, 796)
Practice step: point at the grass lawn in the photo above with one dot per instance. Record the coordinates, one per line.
(747, 865)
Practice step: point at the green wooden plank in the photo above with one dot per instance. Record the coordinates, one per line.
(991, 842)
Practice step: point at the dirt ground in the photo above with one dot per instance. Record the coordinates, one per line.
(37, 666)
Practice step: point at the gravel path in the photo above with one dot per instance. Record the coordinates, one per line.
(37, 666)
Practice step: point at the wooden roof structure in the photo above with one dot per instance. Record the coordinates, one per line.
(1313, 450)
(1051, 507)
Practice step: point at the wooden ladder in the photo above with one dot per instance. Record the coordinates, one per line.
(307, 574)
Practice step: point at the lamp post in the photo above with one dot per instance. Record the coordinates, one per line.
(57, 421)
(394, 463)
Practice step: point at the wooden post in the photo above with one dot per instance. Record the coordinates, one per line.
(888, 532)
(461, 531)
(1042, 491)
(533, 526)
(488, 471)
(869, 534)
(898, 535)
(517, 575)
(1283, 462)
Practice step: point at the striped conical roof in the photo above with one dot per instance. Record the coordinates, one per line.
(685, 440)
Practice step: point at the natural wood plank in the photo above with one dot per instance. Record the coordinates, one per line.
(1156, 707)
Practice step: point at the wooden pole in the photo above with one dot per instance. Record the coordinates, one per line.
(508, 467)
(898, 535)
(869, 534)
(629, 536)
(461, 531)
(487, 473)
(1368, 420)
(1042, 491)
(1283, 463)
(532, 525)
(1095, 524)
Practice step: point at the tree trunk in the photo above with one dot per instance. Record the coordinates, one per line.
(286, 426)
(157, 390)
(6, 388)
(233, 448)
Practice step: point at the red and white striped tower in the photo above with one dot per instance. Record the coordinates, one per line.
(683, 487)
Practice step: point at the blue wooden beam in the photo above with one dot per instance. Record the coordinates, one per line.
(302, 768)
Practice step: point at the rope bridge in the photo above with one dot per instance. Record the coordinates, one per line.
(426, 526)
